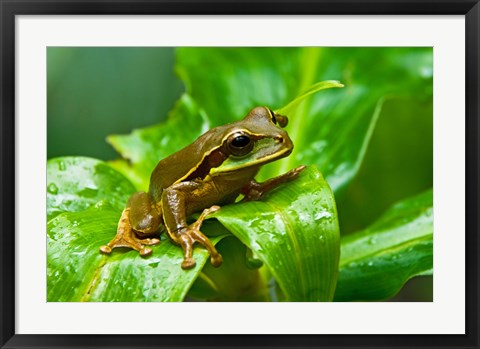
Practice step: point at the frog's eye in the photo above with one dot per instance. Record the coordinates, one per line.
(240, 144)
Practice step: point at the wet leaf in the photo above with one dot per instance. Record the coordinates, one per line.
(376, 262)
(76, 183)
(77, 271)
(294, 231)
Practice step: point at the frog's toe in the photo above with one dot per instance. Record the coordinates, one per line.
(188, 263)
(144, 252)
(292, 174)
(150, 242)
(216, 260)
(213, 208)
(105, 249)
(300, 168)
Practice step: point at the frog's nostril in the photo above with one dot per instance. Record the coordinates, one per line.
(279, 139)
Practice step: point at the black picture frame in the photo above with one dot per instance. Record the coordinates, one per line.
(11, 8)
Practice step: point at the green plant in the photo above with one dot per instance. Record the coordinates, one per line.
(296, 236)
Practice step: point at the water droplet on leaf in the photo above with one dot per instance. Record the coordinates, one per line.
(99, 204)
(52, 188)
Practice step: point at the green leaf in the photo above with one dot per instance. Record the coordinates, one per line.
(76, 269)
(322, 85)
(294, 231)
(376, 262)
(76, 183)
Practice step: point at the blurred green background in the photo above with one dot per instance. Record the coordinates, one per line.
(95, 92)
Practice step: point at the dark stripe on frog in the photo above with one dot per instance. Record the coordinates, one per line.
(214, 159)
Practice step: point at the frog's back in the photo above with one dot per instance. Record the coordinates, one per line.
(177, 166)
(167, 172)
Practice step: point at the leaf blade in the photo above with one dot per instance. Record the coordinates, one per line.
(295, 233)
(77, 183)
(314, 88)
(376, 262)
(77, 271)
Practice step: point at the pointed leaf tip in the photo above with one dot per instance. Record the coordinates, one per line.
(316, 87)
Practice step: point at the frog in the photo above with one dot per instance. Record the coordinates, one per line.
(216, 169)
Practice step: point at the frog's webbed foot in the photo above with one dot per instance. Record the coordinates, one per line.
(186, 237)
(126, 237)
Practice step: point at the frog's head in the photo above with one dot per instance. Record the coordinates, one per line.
(254, 141)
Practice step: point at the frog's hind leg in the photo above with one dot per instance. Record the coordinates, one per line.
(175, 218)
(140, 219)
(145, 217)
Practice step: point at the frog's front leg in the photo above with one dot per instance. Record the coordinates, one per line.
(139, 219)
(255, 191)
(178, 201)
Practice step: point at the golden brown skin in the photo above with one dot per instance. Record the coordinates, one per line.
(214, 170)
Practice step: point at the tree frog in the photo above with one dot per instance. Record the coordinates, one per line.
(212, 171)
